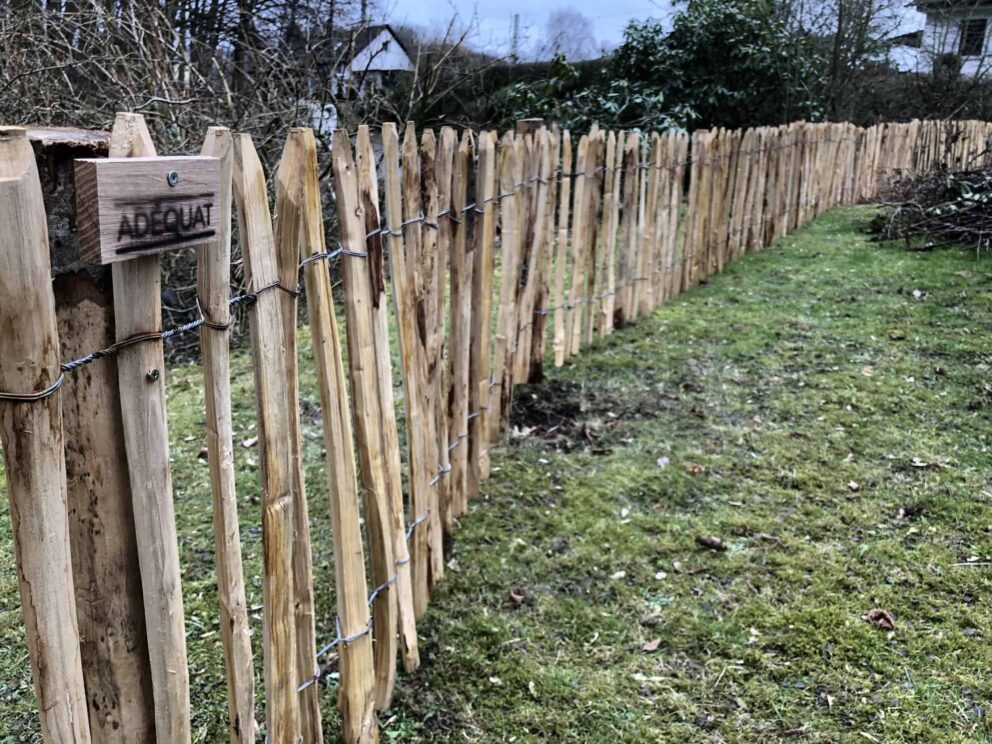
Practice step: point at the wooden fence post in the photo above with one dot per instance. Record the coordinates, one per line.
(430, 335)
(594, 171)
(419, 419)
(106, 576)
(627, 270)
(537, 236)
(482, 291)
(356, 693)
(289, 186)
(562, 249)
(368, 187)
(610, 291)
(274, 435)
(363, 290)
(443, 164)
(414, 369)
(580, 208)
(140, 370)
(510, 237)
(462, 264)
(541, 311)
(31, 432)
(213, 289)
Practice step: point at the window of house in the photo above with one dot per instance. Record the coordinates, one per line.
(973, 37)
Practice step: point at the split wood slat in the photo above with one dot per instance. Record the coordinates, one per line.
(405, 303)
(420, 422)
(648, 245)
(537, 235)
(673, 275)
(106, 575)
(462, 264)
(610, 300)
(607, 237)
(141, 373)
(213, 289)
(368, 187)
(510, 262)
(274, 440)
(481, 327)
(31, 432)
(443, 164)
(289, 186)
(580, 208)
(689, 229)
(364, 287)
(562, 250)
(426, 272)
(356, 691)
(540, 314)
(528, 164)
(594, 170)
(628, 240)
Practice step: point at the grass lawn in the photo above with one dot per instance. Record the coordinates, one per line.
(822, 407)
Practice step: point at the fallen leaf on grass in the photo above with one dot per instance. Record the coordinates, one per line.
(517, 596)
(651, 646)
(249, 442)
(897, 336)
(694, 468)
(854, 485)
(663, 462)
(711, 542)
(881, 618)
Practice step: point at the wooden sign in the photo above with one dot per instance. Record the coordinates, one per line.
(129, 207)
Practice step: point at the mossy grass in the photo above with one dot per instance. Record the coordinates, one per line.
(823, 407)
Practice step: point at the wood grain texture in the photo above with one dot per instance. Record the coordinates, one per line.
(31, 433)
(289, 186)
(421, 421)
(462, 264)
(402, 589)
(405, 305)
(562, 252)
(356, 692)
(364, 288)
(213, 289)
(274, 437)
(141, 373)
(443, 164)
(481, 325)
(506, 328)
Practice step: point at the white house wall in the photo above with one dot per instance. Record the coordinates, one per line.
(942, 35)
(383, 54)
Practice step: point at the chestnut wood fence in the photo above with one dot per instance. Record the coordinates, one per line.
(490, 256)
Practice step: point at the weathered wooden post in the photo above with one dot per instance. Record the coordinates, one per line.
(274, 429)
(213, 286)
(31, 431)
(128, 214)
(106, 577)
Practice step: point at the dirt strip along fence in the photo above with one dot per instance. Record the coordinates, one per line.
(490, 256)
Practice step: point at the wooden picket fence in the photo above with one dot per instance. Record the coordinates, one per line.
(499, 253)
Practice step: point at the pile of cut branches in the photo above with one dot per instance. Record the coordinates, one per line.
(938, 209)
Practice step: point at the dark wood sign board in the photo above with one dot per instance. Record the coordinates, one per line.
(129, 207)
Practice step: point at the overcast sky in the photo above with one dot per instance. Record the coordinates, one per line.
(491, 21)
